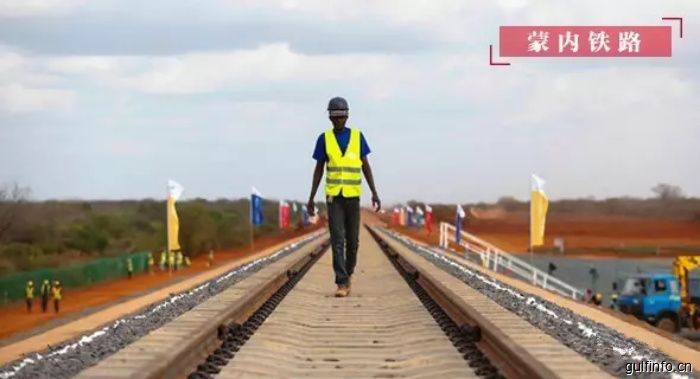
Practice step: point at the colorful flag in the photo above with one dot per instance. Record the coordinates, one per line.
(409, 217)
(174, 193)
(304, 216)
(295, 217)
(395, 217)
(458, 223)
(256, 211)
(429, 218)
(283, 214)
(419, 217)
(287, 216)
(538, 211)
(402, 216)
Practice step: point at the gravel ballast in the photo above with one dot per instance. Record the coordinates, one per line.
(598, 343)
(69, 358)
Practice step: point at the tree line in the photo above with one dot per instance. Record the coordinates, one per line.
(48, 233)
(668, 202)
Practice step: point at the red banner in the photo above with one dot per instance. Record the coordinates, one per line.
(283, 215)
(585, 41)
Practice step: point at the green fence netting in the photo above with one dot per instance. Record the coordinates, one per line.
(71, 275)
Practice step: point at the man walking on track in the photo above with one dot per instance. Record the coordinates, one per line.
(344, 153)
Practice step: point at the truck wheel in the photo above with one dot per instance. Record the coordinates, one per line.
(666, 324)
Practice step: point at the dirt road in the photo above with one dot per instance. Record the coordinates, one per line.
(592, 236)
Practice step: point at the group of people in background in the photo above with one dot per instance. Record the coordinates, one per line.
(48, 291)
(130, 265)
(174, 260)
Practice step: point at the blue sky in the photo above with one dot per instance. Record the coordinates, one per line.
(109, 99)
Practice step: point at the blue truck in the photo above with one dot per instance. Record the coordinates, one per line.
(668, 301)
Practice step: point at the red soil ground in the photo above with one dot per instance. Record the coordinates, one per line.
(15, 318)
(588, 235)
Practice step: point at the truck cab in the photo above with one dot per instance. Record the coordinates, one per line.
(654, 298)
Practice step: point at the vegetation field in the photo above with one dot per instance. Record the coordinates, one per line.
(48, 233)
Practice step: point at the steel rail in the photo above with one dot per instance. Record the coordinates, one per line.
(180, 346)
(208, 339)
(512, 360)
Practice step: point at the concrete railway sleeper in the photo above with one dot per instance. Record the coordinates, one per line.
(404, 318)
(182, 345)
(235, 335)
(463, 336)
(607, 342)
(381, 330)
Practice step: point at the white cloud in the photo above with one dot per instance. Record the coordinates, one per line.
(602, 93)
(86, 64)
(586, 119)
(212, 71)
(22, 8)
(468, 21)
(26, 87)
(15, 98)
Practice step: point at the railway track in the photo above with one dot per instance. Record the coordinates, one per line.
(406, 317)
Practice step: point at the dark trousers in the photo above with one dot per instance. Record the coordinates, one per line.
(29, 305)
(344, 225)
(55, 304)
(44, 303)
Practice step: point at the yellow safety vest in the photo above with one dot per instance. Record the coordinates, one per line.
(30, 292)
(56, 291)
(343, 172)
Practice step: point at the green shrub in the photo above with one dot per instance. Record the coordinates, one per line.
(21, 254)
(53, 230)
(87, 238)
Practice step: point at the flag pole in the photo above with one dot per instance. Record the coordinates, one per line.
(167, 236)
(252, 244)
(532, 250)
(529, 238)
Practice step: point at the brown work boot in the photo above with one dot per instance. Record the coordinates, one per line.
(342, 291)
(348, 286)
